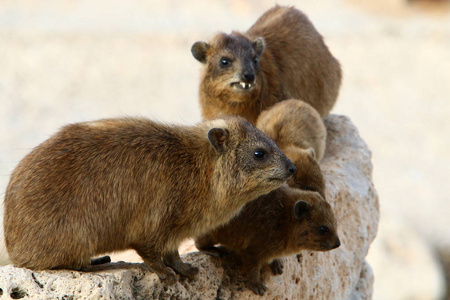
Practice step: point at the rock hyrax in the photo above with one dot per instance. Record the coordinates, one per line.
(115, 184)
(300, 133)
(275, 225)
(281, 56)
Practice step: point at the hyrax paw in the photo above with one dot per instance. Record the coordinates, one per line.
(169, 278)
(277, 267)
(190, 271)
(257, 287)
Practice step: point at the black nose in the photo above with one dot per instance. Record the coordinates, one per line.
(292, 169)
(249, 76)
(338, 243)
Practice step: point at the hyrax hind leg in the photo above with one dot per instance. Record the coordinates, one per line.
(173, 260)
(100, 260)
(153, 259)
(205, 244)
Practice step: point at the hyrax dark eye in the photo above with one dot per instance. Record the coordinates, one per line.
(225, 62)
(259, 154)
(255, 60)
(324, 230)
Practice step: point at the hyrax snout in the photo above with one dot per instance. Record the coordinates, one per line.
(131, 183)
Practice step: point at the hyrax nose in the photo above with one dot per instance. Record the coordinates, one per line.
(337, 244)
(292, 169)
(249, 76)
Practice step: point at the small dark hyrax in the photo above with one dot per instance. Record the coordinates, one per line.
(300, 133)
(275, 225)
(281, 56)
(114, 184)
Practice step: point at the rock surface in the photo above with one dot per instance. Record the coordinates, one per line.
(339, 274)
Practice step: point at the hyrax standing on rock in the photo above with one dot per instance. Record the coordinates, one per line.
(300, 133)
(281, 56)
(115, 184)
(275, 225)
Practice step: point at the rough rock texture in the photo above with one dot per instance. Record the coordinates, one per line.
(339, 274)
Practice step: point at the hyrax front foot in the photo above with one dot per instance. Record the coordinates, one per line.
(186, 270)
(174, 261)
(168, 277)
(277, 267)
(257, 287)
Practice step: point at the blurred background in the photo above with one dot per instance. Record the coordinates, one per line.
(64, 61)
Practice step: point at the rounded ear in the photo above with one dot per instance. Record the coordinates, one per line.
(199, 50)
(218, 138)
(311, 152)
(259, 45)
(301, 209)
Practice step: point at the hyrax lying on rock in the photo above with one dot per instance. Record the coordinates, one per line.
(281, 56)
(116, 184)
(300, 133)
(275, 225)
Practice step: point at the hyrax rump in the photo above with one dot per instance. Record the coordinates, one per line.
(275, 225)
(281, 56)
(116, 184)
(300, 133)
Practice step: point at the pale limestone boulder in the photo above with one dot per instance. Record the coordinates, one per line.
(339, 274)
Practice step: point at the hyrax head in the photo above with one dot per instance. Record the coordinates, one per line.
(308, 176)
(232, 61)
(248, 161)
(313, 224)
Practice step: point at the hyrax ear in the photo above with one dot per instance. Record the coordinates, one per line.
(301, 209)
(199, 51)
(218, 137)
(259, 45)
(311, 152)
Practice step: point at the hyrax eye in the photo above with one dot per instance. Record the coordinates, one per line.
(259, 154)
(224, 62)
(255, 60)
(324, 230)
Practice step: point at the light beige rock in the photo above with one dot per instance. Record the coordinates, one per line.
(339, 274)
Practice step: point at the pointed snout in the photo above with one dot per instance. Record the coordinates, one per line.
(291, 169)
(336, 244)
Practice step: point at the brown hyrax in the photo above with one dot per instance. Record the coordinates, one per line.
(281, 56)
(275, 225)
(300, 133)
(115, 184)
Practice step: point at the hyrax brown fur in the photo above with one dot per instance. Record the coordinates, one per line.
(116, 184)
(275, 225)
(300, 133)
(281, 56)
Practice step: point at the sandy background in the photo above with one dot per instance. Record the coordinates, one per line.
(70, 61)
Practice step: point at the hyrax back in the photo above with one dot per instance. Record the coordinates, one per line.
(116, 184)
(281, 56)
(300, 133)
(275, 225)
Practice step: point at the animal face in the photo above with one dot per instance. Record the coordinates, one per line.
(314, 225)
(232, 62)
(258, 164)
